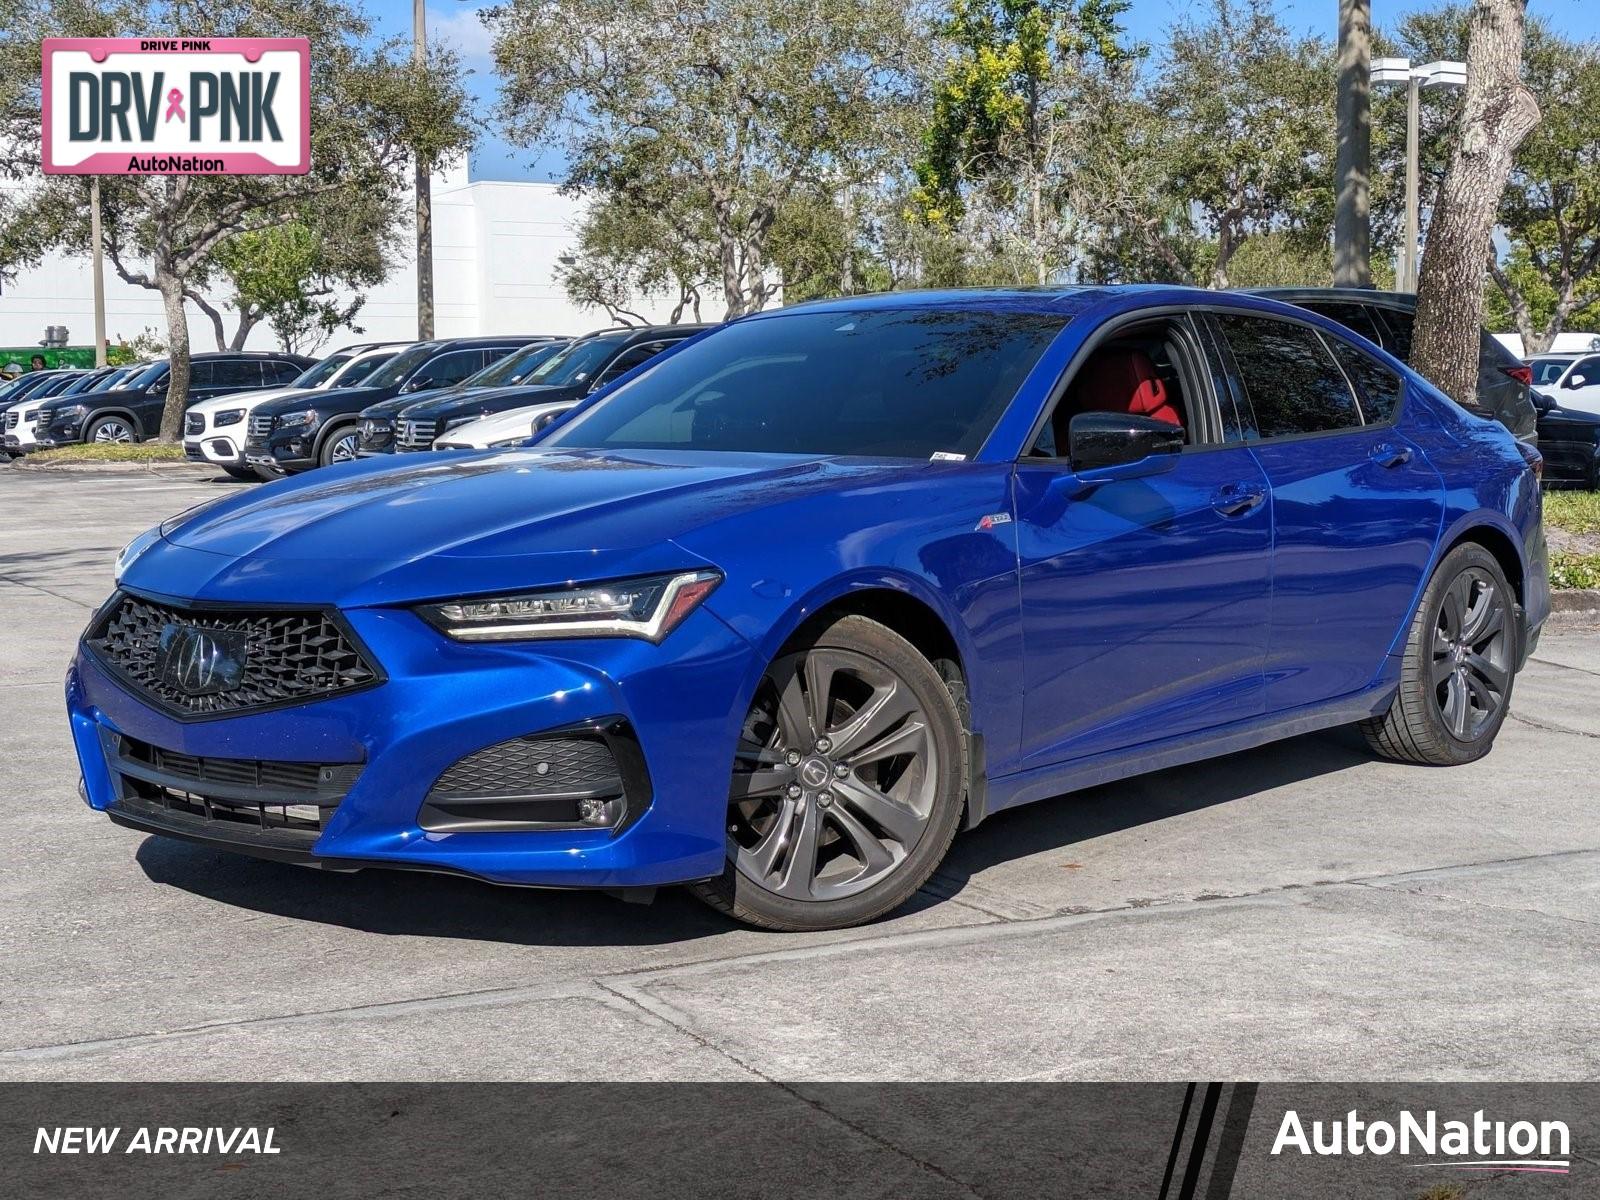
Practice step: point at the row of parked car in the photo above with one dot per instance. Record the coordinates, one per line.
(269, 414)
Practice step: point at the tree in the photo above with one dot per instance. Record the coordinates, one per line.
(1007, 131)
(371, 114)
(302, 279)
(1498, 111)
(1246, 127)
(729, 105)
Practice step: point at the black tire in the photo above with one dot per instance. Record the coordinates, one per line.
(927, 784)
(268, 474)
(1455, 679)
(248, 474)
(346, 435)
(111, 428)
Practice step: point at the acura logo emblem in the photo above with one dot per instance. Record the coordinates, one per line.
(200, 662)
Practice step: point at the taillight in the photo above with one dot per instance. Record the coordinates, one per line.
(1533, 458)
(1523, 375)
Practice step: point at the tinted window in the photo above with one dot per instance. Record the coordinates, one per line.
(1355, 317)
(505, 368)
(317, 372)
(362, 368)
(276, 372)
(1293, 383)
(399, 368)
(202, 374)
(629, 359)
(1400, 325)
(900, 383)
(1379, 387)
(576, 363)
(238, 373)
(1589, 368)
(453, 368)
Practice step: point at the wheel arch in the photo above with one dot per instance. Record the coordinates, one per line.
(915, 611)
(1499, 540)
(331, 429)
(126, 414)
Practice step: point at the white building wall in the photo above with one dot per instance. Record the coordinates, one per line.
(496, 249)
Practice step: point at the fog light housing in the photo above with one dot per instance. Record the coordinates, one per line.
(589, 776)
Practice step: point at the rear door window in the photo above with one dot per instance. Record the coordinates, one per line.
(1290, 377)
(237, 374)
(1355, 317)
(1379, 388)
(454, 367)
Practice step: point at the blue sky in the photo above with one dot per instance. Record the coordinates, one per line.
(456, 21)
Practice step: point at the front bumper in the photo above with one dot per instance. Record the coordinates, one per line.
(287, 450)
(212, 448)
(443, 701)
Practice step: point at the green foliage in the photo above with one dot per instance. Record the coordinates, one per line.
(728, 108)
(1575, 512)
(1570, 570)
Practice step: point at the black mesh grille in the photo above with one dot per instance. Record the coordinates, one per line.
(311, 778)
(546, 764)
(289, 657)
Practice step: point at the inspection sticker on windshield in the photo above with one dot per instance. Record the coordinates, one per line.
(946, 456)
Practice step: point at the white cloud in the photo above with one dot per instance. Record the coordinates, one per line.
(463, 28)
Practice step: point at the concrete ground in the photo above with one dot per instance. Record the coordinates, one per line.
(1296, 912)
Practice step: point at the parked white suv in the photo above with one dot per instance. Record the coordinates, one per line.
(499, 429)
(1571, 380)
(214, 430)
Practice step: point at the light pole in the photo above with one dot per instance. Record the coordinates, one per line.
(424, 198)
(1428, 75)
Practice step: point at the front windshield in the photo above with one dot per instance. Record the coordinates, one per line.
(574, 364)
(903, 383)
(401, 367)
(1548, 370)
(155, 373)
(357, 371)
(316, 373)
(82, 384)
(514, 367)
(112, 379)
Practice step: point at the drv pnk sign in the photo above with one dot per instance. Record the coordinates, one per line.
(177, 106)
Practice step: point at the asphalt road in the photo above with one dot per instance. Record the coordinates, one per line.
(1300, 911)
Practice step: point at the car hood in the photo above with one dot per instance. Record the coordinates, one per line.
(501, 425)
(381, 532)
(246, 400)
(117, 396)
(481, 402)
(331, 400)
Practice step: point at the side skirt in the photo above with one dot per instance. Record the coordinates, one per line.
(1041, 783)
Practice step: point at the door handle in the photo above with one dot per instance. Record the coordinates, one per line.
(1236, 499)
(1389, 455)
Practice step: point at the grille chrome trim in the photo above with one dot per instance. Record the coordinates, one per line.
(415, 435)
(260, 425)
(296, 655)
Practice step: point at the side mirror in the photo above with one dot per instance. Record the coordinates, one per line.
(1575, 381)
(1099, 439)
(418, 384)
(545, 420)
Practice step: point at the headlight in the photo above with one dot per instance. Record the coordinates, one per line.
(230, 416)
(67, 412)
(649, 607)
(376, 425)
(290, 420)
(127, 555)
(454, 421)
(516, 441)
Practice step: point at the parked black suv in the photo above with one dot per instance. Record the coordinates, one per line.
(1386, 318)
(314, 429)
(581, 369)
(131, 412)
(1569, 442)
(378, 420)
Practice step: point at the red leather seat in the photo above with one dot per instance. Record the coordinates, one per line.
(1124, 381)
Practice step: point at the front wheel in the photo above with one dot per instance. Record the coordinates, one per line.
(847, 785)
(106, 430)
(340, 446)
(1459, 666)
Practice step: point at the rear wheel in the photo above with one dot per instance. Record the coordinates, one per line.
(1459, 666)
(847, 786)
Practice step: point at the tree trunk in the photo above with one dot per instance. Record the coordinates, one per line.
(1497, 112)
(177, 355)
(248, 320)
(1352, 223)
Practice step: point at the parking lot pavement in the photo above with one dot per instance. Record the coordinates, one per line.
(1299, 911)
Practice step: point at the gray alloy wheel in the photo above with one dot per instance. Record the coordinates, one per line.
(110, 429)
(1459, 666)
(847, 783)
(341, 447)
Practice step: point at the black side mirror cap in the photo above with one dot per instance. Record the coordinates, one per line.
(1103, 439)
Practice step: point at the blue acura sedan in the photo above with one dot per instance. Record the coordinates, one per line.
(780, 612)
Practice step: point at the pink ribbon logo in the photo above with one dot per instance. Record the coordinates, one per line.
(175, 105)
